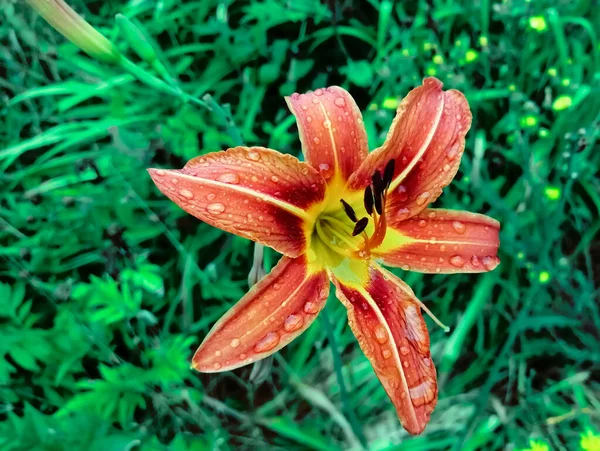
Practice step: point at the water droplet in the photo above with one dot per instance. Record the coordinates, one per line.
(254, 156)
(489, 262)
(292, 323)
(405, 364)
(229, 178)
(381, 334)
(458, 226)
(304, 107)
(311, 307)
(316, 140)
(340, 101)
(268, 342)
(186, 193)
(215, 208)
(404, 350)
(315, 100)
(438, 270)
(475, 260)
(217, 366)
(309, 119)
(446, 167)
(431, 214)
(442, 248)
(387, 353)
(174, 181)
(422, 198)
(402, 195)
(457, 260)
(432, 240)
(422, 223)
(159, 172)
(323, 167)
(217, 353)
(402, 214)
(274, 179)
(234, 343)
(405, 267)
(242, 356)
(326, 123)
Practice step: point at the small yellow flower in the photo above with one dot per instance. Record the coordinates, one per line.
(590, 441)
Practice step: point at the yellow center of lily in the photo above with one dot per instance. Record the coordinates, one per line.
(339, 233)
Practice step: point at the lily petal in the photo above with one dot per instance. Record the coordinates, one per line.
(257, 193)
(275, 311)
(385, 316)
(442, 241)
(426, 140)
(334, 139)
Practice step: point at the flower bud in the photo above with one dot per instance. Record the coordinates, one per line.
(73, 27)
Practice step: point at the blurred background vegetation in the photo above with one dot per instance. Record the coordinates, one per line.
(107, 287)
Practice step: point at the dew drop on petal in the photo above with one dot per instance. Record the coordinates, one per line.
(457, 260)
(292, 323)
(402, 195)
(218, 353)
(431, 214)
(319, 92)
(324, 167)
(267, 343)
(475, 261)
(315, 100)
(217, 366)
(242, 356)
(174, 181)
(229, 178)
(274, 179)
(404, 350)
(422, 198)
(458, 226)
(422, 223)
(381, 334)
(326, 123)
(309, 119)
(405, 364)
(316, 140)
(234, 343)
(186, 193)
(159, 172)
(489, 262)
(311, 307)
(215, 208)
(340, 101)
(387, 353)
(304, 107)
(254, 156)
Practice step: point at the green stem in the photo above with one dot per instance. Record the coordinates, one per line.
(337, 364)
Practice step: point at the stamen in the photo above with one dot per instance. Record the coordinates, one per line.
(368, 200)
(431, 315)
(348, 210)
(378, 186)
(378, 205)
(360, 226)
(388, 173)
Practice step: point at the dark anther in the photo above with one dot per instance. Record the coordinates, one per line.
(369, 200)
(388, 173)
(378, 186)
(349, 210)
(360, 226)
(378, 205)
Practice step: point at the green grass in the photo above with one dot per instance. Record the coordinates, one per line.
(107, 287)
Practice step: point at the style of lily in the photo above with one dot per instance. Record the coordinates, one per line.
(337, 217)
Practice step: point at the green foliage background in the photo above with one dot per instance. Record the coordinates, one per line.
(108, 287)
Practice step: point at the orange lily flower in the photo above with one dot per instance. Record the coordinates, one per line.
(337, 217)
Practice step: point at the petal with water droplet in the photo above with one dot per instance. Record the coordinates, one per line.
(462, 241)
(227, 188)
(331, 130)
(426, 141)
(394, 337)
(267, 318)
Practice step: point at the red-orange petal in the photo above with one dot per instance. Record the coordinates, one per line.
(442, 241)
(275, 311)
(426, 140)
(386, 319)
(257, 193)
(333, 136)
